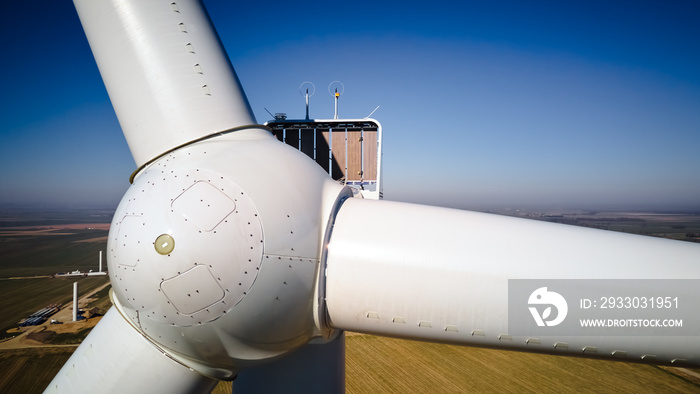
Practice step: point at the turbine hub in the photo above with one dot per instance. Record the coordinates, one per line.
(214, 254)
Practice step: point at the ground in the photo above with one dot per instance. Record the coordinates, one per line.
(373, 364)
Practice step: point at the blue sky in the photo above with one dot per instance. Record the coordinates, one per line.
(592, 105)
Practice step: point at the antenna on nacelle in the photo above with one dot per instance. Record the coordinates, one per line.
(334, 86)
(370, 114)
(304, 91)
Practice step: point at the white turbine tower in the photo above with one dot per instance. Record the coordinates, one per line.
(234, 255)
(75, 301)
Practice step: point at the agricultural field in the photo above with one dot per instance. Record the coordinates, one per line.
(47, 242)
(30, 247)
(28, 217)
(388, 365)
(37, 251)
(678, 226)
(20, 298)
(30, 370)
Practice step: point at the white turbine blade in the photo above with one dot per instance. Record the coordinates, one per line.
(115, 358)
(166, 72)
(442, 275)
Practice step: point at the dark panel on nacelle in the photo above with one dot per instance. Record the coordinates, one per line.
(348, 150)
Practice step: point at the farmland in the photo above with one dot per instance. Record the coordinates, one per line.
(386, 365)
(377, 364)
(30, 370)
(683, 226)
(30, 247)
(22, 297)
(32, 252)
(35, 245)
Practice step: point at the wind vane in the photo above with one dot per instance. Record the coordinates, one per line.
(334, 85)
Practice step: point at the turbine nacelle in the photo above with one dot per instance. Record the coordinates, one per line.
(214, 251)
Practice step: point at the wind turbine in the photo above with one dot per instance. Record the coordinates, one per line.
(233, 255)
